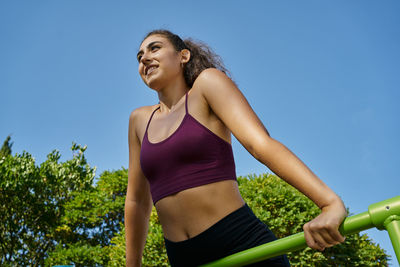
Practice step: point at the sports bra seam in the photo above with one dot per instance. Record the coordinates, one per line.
(151, 117)
(214, 135)
(193, 185)
(167, 138)
(211, 132)
(187, 114)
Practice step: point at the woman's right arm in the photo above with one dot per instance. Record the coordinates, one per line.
(138, 203)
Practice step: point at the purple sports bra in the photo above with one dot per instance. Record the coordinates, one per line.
(192, 156)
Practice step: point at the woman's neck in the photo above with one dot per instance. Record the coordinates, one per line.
(170, 96)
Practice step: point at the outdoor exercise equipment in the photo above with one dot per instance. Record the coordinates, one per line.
(384, 215)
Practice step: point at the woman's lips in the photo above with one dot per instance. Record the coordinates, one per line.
(149, 69)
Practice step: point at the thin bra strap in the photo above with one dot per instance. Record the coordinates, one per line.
(186, 107)
(148, 123)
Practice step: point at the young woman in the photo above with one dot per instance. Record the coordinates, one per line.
(180, 158)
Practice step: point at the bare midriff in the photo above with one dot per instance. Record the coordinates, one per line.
(190, 212)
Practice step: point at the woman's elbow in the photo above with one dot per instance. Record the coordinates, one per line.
(260, 150)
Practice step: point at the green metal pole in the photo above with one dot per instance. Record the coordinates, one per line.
(271, 249)
(356, 223)
(393, 227)
(287, 244)
(377, 216)
(385, 215)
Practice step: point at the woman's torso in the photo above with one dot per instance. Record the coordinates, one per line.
(191, 211)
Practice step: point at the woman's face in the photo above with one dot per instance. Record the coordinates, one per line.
(159, 62)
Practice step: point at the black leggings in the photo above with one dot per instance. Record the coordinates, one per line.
(237, 231)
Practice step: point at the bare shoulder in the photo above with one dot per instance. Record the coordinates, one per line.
(213, 83)
(211, 77)
(210, 73)
(138, 113)
(138, 119)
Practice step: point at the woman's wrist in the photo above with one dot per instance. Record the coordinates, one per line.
(335, 205)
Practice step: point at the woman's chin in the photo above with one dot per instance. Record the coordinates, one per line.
(154, 85)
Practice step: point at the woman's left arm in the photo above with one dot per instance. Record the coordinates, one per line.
(229, 104)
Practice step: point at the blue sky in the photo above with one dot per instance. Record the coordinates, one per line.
(323, 76)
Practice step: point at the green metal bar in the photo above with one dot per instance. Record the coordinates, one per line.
(356, 223)
(393, 227)
(380, 211)
(384, 214)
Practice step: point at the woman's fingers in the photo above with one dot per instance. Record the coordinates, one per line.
(320, 233)
(310, 240)
(323, 231)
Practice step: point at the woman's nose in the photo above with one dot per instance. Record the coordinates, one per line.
(145, 58)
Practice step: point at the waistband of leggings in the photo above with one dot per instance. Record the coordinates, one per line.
(244, 210)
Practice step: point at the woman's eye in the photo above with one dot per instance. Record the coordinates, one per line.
(152, 49)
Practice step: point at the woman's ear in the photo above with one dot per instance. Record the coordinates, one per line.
(185, 56)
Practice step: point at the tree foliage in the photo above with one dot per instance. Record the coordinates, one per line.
(92, 218)
(32, 200)
(6, 147)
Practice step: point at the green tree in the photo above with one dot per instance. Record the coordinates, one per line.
(91, 219)
(6, 147)
(32, 202)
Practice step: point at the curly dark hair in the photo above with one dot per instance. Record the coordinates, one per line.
(201, 55)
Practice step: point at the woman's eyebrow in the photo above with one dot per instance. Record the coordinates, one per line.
(148, 46)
